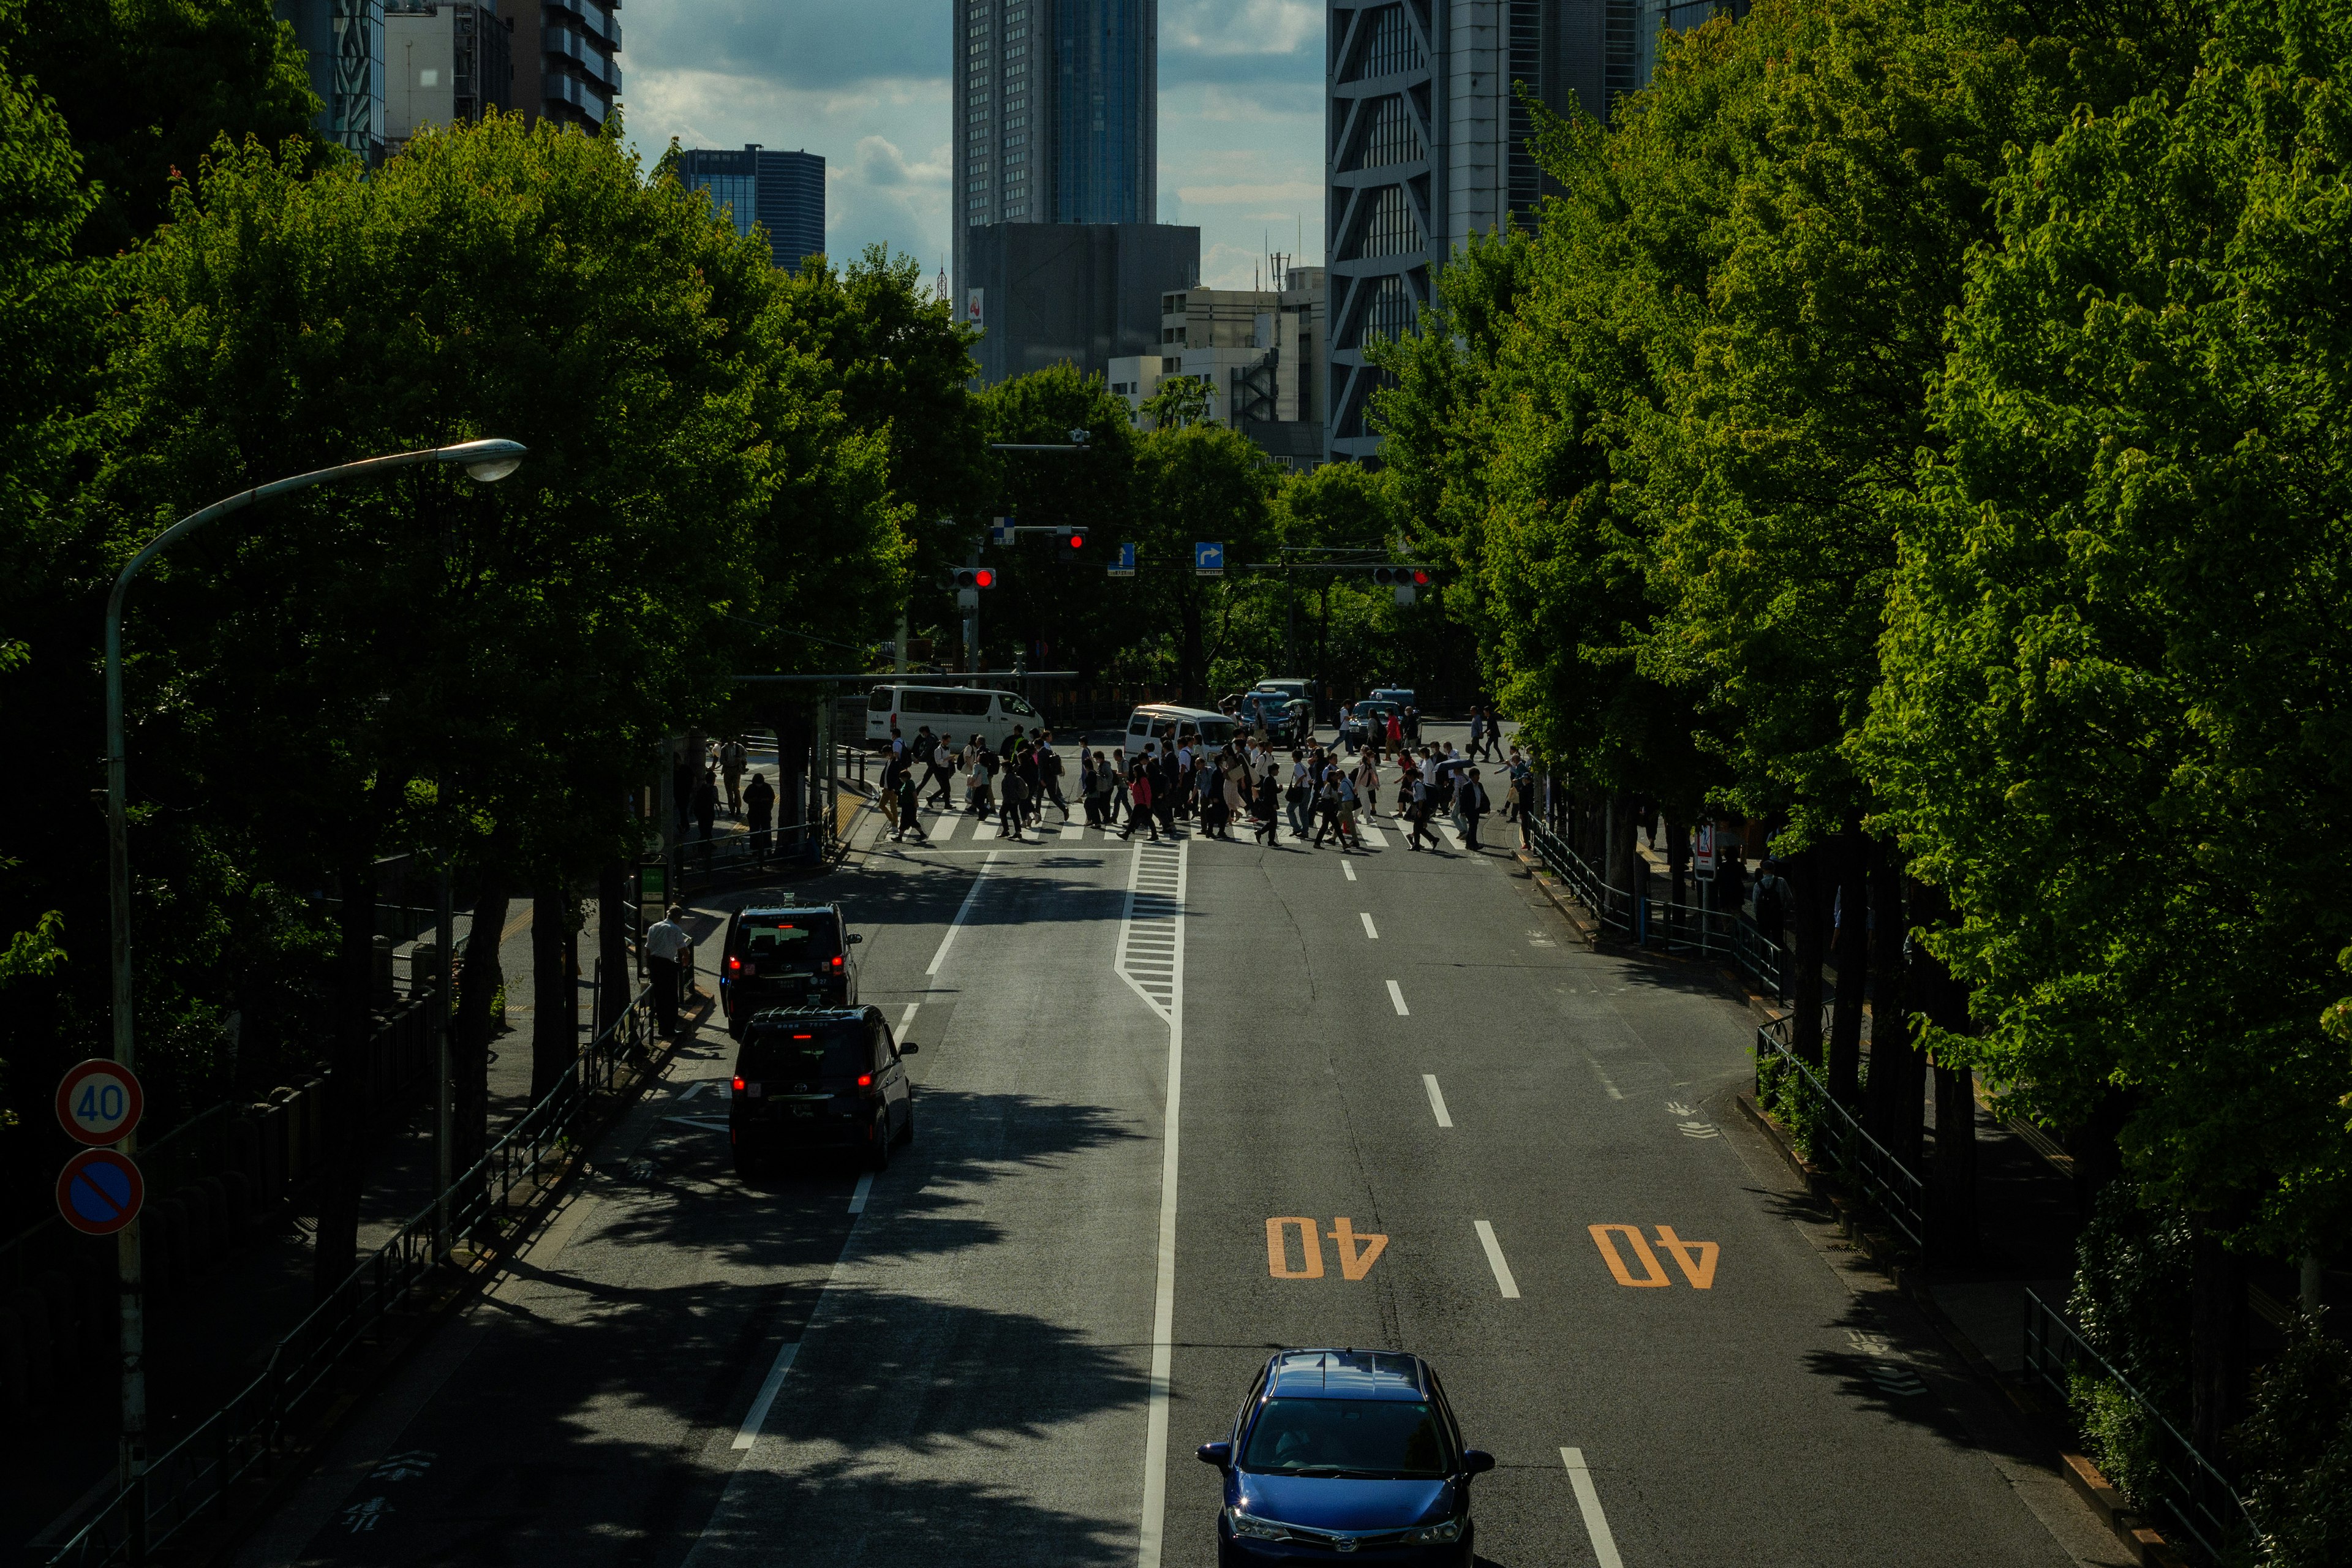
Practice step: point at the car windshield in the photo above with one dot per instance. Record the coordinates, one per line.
(781, 1056)
(1215, 731)
(1376, 1437)
(787, 944)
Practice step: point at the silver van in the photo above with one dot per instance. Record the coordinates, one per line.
(1171, 726)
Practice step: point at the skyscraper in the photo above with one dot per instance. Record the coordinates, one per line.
(566, 64)
(784, 193)
(1056, 114)
(1426, 142)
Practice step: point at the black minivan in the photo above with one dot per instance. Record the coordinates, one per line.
(786, 957)
(819, 1079)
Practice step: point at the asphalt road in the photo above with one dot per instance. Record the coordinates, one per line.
(1004, 1349)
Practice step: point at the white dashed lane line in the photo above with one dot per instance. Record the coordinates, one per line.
(1437, 1098)
(1396, 994)
(1588, 1501)
(1369, 929)
(1510, 1286)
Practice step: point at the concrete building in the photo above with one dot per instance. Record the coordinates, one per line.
(784, 193)
(1044, 294)
(1259, 352)
(1056, 114)
(1426, 146)
(344, 42)
(566, 59)
(445, 61)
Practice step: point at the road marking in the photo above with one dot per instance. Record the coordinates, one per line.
(1452, 837)
(1355, 1261)
(1495, 1261)
(1396, 994)
(691, 1090)
(946, 826)
(1163, 1308)
(1697, 1258)
(1654, 1272)
(757, 1416)
(1369, 929)
(963, 911)
(1588, 1501)
(707, 1125)
(865, 1190)
(1602, 1073)
(1372, 837)
(1350, 868)
(907, 1016)
(1277, 1248)
(1437, 1098)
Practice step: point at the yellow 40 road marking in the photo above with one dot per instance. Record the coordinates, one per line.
(1359, 1250)
(1697, 1258)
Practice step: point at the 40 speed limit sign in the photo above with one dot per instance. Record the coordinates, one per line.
(98, 1102)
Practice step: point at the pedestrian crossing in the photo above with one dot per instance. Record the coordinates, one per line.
(958, 828)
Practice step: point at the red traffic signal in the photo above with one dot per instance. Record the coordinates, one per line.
(1074, 539)
(975, 577)
(1420, 579)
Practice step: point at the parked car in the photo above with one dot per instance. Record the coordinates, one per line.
(1346, 1451)
(819, 1079)
(796, 956)
(1358, 726)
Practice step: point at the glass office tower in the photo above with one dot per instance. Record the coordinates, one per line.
(784, 193)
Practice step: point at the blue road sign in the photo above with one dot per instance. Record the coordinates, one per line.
(1000, 531)
(99, 1191)
(1209, 560)
(1125, 565)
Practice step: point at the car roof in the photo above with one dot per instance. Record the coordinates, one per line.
(782, 1016)
(790, 910)
(1348, 1374)
(1169, 710)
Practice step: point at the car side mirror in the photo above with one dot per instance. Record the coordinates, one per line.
(856, 938)
(1476, 1461)
(1218, 1453)
(908, 1047)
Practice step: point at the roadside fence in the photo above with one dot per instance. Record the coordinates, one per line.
(1659, 923)
(238, 1442)
(2175, 1486)
(1834, 1139)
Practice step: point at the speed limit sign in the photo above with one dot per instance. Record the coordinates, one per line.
(98, 1102)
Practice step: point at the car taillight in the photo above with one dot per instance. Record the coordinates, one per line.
(866, 1080)
(836, 961)
(734, 965)
(739, 1086)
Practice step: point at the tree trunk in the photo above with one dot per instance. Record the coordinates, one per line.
(1952, 1193)
(613, 926)
(2097, 1149)
(2217, 1336)
(469, 1051)
(1805, 875)
(554, 1006)
(335, 1249)
(1896, 1103)
(1852, 956)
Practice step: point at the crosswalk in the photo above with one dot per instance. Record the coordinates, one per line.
(946, 828)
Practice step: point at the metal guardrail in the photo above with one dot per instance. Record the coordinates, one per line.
(1837, 1140)
(2193, 1499)
(235, 1441)
(1664, 925)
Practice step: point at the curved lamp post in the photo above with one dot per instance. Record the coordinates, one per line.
(486, 461)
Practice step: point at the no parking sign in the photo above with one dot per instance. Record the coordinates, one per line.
(99, 1191)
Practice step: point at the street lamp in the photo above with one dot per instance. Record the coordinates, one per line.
(486, 461)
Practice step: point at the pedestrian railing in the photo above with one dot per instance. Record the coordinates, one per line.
(239, 1440)
(1834, 1139)
(1662, 923)
(2177, 1488)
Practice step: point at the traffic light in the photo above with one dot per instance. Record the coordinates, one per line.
(1408, 581)
(975, 577)
(1070, 546)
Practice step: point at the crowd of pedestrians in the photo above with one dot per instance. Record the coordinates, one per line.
(1249, 784)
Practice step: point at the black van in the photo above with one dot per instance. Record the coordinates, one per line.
(818, 1078)
(786, 957)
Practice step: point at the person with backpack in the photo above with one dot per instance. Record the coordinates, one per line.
(1014, 809)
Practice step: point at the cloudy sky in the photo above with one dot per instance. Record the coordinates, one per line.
(864, 83)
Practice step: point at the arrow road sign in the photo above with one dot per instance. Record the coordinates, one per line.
(1125, 565)
(99, 1191)
(1208, 559)
(98, 1101)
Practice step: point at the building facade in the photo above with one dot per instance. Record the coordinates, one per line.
(445, 61)
(1426, 145)
(784, 193)
(344, 43)
(566, 59)
(1056, 114)
(1079, 293)
(1259, 352)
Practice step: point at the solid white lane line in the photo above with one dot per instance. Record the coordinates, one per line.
(1396, 994)
(1495, 1261)
(865, 1190)
(1596, 1524)
(907, 1017)
(1163, 1308)
(1369, 929)
(1350, 868)
(757, 1416)
(1437, 1098)
(962, 910)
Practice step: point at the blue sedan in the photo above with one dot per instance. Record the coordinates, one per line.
(1346, 1450)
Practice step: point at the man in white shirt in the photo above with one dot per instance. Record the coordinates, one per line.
(666, 946)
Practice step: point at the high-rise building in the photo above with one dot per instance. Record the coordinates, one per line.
(1257, 352)
(444, 60)
(344, 42)
(1078, 293)
(1427, 146)
(566, 65)
(1056, 115)
(784, 193)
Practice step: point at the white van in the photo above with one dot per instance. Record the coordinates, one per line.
(1170, 725)
(956, 712)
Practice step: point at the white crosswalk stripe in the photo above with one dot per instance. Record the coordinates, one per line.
(942, 825)
(1452, 837)
(1373, 838)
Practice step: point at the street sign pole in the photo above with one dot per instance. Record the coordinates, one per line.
(445, 1005)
